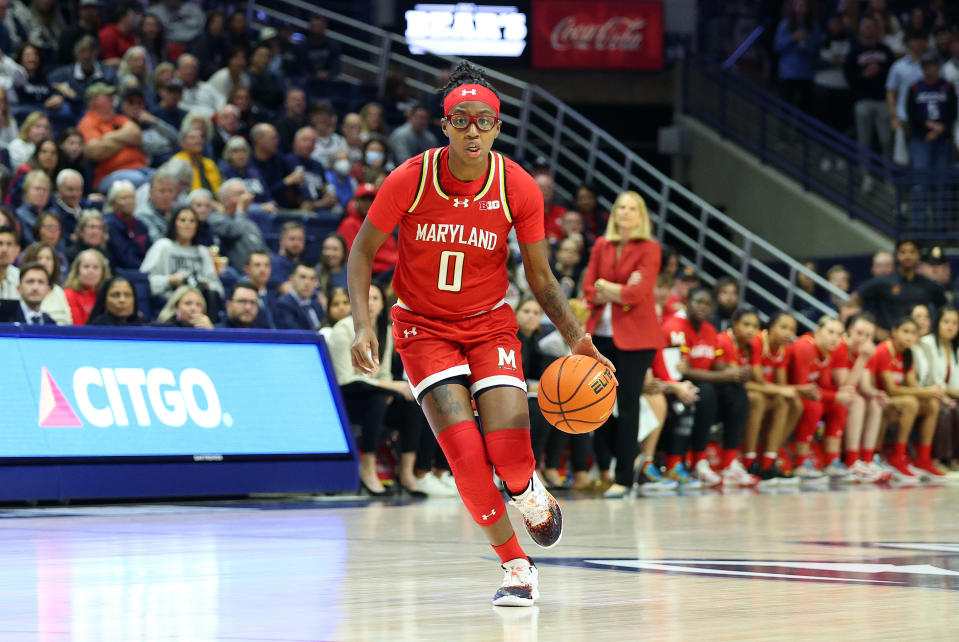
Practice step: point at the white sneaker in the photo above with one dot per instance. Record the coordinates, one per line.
(883, 465)
(839, 473)
(882, 473)
(920, 474)
(809, 474)
(864, 473)
(735, 475)
(541, 513)
(520, 587)
(707, 475)
(433, 487)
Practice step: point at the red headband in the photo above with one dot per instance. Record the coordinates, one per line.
(465, 93)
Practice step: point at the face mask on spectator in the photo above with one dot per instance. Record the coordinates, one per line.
(341, 166)
(373, 156)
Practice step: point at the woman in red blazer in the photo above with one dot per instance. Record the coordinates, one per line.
(619, 287)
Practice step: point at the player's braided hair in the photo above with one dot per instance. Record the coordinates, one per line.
(466, 73)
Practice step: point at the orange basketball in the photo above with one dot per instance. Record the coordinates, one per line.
(576, 394)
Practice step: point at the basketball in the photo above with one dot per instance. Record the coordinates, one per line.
(576, 394)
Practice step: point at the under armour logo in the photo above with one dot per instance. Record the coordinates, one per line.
(491, 514)
(461, 203)
(409, 333)
(469, 91)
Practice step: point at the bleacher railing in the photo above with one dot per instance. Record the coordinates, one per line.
(537, 124)
(865, 184)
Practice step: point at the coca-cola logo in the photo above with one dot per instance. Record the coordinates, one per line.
(618, 33)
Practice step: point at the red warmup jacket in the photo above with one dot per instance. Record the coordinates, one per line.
(635, 326)
(386, 256)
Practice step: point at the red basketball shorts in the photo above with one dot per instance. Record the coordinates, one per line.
(483, 348)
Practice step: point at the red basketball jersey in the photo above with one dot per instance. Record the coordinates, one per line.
(452, 234)
(841, 359)
(807, 365)
(765, 358)
(699, 348)
(730, 351)
(886, 359)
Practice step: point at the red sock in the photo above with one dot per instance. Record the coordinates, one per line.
(767, 461)
(729, 456)
(510, 550)
(852, 456)
(672, 460)
(924, 453)
(830, 458)
(749, 459)
(698, 455)
(868, 454)
(800, 460)
(899, 451)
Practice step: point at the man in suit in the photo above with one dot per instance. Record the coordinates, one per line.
(34, 287)
(299, 310)
(243, 309)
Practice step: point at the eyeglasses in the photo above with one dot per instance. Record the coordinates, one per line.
(462, 121)
(245, 302)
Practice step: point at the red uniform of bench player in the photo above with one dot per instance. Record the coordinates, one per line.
(456, 336)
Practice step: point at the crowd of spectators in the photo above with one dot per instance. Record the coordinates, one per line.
(887, 74)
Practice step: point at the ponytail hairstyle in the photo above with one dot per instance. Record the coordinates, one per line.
(954, 345)
(907, 355)
(466, 73)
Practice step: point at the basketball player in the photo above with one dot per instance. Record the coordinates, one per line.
(809, 361)
(779, 407)
(849, 369)
(454, 332)
(770, 352)
(892, 367)
(737, 348)
(721, 395)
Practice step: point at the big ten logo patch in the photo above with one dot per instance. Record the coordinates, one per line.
(489, 205)
(601, 381)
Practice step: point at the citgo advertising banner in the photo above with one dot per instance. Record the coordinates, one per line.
(76, 397)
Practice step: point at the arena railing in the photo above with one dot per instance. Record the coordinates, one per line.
(866, 185)
(538, 125)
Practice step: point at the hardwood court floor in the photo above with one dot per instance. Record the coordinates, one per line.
(852, 564)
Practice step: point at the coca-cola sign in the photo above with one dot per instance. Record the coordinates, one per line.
(597, 35)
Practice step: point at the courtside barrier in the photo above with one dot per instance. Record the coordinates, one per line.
(158, 412)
